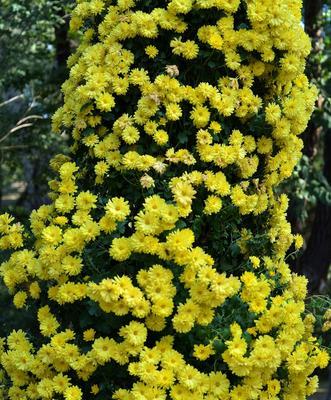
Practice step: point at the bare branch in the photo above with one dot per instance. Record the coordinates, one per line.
(19, 146)
(20, 96)
(29, 117)
(16, 128)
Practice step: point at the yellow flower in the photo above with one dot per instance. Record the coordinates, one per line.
(67, 170)
(215, 126)
(180, 239)
(180, 6)
(72, 265)
(61, 383)
(89, 335)
(135, 333)
(161, 137)
(217, 183)
(326, 326)
(255, 261)
(120, 249)
(200, 116)
(146, 222)
(95, 389)
(73, 239)
(107, 224)
(35, 290)
(73, 393)
(45, 388)
(118, 208)
(183, 193)
(188, 49)
(298, 241)
(90, 140)
(101, 168)
(60, 220)
(130, 134)
(86, 201)
(213, 204)
(151, 51)
(90, 230)
(52, 234)
(105, 102)
(20, 299)
(5, 221)
(64, 203)
(173, 111)
(264, 145)
(202, 352)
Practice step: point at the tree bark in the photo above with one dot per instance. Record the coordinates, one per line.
(316, 259)
(62, 42)
(312, 9)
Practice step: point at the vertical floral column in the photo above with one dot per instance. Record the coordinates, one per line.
(158, 271)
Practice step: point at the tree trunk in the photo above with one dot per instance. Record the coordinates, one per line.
(62, 42)
(316, 259)
(312, 9)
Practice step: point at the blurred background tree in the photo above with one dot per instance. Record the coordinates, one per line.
(34, 46)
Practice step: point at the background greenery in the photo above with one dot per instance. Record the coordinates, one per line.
(34, 46)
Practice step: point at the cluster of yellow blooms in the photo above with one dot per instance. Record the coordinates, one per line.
(121, 234)
(327, 320)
